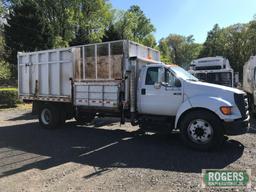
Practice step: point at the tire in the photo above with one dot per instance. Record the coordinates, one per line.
(49, 116)
(202, 130)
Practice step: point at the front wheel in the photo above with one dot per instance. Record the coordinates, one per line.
(202, 130)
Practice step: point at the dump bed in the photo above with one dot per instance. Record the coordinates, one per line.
(46, 74)
(51, 75)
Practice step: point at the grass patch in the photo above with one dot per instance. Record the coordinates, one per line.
(20, 106)
(8, 89)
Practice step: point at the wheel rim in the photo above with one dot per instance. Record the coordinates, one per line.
(46, 116)
(200, 131)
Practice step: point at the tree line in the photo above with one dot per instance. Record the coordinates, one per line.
(236, 42)
(31, 25)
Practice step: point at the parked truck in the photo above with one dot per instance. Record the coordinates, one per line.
(127, 80)
(214, 70)
(249, 82)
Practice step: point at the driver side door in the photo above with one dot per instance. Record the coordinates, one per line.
(164, 99)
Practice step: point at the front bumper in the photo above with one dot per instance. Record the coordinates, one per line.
(237, 127)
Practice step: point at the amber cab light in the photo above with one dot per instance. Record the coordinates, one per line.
(226, 110)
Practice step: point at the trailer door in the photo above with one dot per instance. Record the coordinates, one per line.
(161, 100)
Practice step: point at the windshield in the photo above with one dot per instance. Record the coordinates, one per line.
(181, 73)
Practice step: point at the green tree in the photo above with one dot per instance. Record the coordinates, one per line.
(233, 46)
(143, 26)
(5, 72)
(76, 21)
(131, 24)
(111, 34)
(232, 42)
(25, 30)
(249, 37)
(183, 49)
(127, 25)
(60, 18)
(149, 41)
(1, 30)
(1, 8)
(91, 18)
(213, 44)
(166, 53)
(112, 30)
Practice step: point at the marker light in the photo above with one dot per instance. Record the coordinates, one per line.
(226, 110)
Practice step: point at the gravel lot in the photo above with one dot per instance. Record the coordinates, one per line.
(107, 157)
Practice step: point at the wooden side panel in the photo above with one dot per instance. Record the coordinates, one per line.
(117, 54)
(90, 66)
(103, 61)
(117, 66)
(103, 67)
(77, 63)
(99, 61)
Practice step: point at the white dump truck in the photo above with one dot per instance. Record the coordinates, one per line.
(215, 70)
(127, 80)
(249, 82)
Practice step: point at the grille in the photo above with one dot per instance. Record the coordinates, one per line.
(242, 104)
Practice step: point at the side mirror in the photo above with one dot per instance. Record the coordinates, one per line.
(164, 84)
(177, 83)
(157, 85)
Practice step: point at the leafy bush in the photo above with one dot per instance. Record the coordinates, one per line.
(8, 96)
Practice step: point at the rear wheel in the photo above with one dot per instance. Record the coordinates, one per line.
(202, 130)
(49, 116)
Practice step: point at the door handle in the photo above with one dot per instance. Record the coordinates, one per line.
(143, 91)
(177, 93)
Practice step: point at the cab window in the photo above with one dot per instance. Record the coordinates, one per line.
(169, 78)
(152, 76)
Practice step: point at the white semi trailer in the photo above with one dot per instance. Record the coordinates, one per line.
(249, 81)
(213, 70)
(127, 80)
